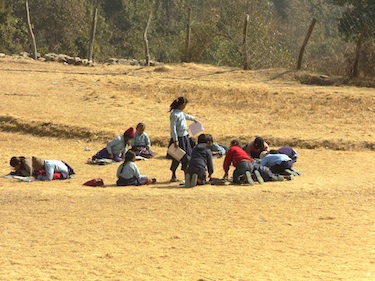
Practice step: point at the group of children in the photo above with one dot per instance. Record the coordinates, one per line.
(252, 162)
(116, 148)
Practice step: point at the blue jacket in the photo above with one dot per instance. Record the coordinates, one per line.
(271, 160)
(201, 156)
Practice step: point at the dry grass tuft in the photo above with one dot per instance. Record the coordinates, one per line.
(100, 102)
(164, 68)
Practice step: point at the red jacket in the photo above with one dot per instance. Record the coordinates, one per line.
(235, 155)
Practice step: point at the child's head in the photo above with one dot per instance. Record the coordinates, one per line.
(202, 138)
(274, 151)
(129, 133)
(258, 142)
(178, 103)
(235, 143)
(140, 128)
(129, 156)
(209, 138)
(15, 162)
(205, 138)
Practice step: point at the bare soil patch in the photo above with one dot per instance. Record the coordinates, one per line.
(319, 226)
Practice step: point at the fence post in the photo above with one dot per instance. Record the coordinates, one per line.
(94, 21)
(30, 31)
(188, 37)
(245, 56)
(299, 63)
(147, 51)
(355, 72)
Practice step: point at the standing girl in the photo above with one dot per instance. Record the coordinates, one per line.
(180, 134)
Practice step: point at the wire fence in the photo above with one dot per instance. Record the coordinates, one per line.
(274, 41)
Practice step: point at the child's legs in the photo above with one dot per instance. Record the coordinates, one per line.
(201, 173)
(101, 154)
(147, 153)
(280, 168)
(174, 165)
(265, 172)
(241, 168)
(117, 158)
(184, 144)
(126, 182)
(144, 180)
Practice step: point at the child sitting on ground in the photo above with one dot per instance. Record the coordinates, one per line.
(128, 172)
(116, 148)
(201, 157)
(141, 142)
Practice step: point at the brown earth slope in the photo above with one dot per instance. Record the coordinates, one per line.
(319, 226)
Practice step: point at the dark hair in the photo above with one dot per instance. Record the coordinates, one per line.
(129, 156)
(14, 161)
(235, 143)
(141, 124)
(274, 151)
(258, 142)
(209, 138)
(202, 138)
(177, 103)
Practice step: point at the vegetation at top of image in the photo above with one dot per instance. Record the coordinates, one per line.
(276, 30)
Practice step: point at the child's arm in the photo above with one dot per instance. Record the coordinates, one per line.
(136, 172)
(111, 144)
(173, 129)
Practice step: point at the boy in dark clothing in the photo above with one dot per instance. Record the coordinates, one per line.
(201, 157)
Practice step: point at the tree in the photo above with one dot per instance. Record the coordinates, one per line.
(357, 15)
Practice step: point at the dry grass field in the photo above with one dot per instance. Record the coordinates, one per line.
(320, 226)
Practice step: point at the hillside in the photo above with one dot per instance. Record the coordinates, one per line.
(319, 226)
(46, 99)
